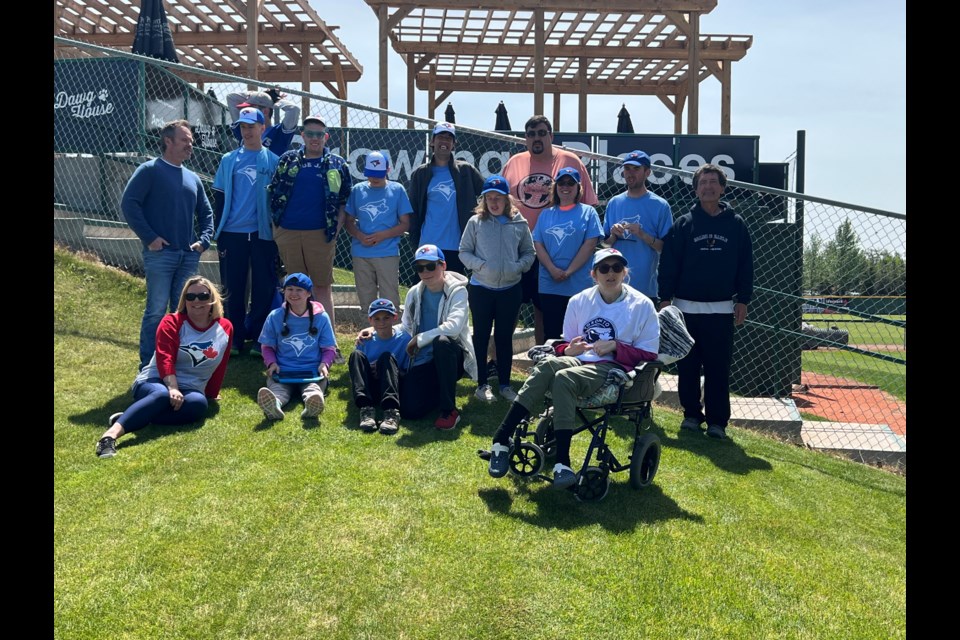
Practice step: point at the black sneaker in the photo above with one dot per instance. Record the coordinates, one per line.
(368, 419)
(563, 476)
(391, 422)
(499, 460)
(716, 431)
(690, 424)
(106, 447)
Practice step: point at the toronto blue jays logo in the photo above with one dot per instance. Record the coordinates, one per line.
(200, 351)
(561, 232)
(375, 209)
(599, 329)
(300, 342)
(534, 190)
(631, 220)
(445, 189)
(250, 173)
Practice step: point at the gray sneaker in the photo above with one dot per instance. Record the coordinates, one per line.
(690, 424)
(716, 431)
(269, 403)
(312, 405)
(106, 447)
(391, 422)
(368, 419)
(484, 393)
(339, 359)
(563, 476)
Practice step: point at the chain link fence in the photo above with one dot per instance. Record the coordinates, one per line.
(825, 340)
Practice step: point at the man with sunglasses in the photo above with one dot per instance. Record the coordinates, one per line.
(636, 222)
(436, 315)
(308, 195)
(531, 172)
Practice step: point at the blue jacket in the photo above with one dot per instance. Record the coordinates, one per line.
(223, 181)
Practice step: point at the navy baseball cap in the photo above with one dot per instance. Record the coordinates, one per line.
(301, 280)
(637, 158)
(375, 165)
(428, 252)
(381, 304)
(568, 171)
(496, 183)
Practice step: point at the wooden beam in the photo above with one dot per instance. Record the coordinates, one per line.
(539, 42)
(602, 6)
(673, 51)
(423, 62)
(443, 96)
(253, 10)
(525, 85)
(556, 111)
(678, 113)
(432, 92)
(582, 95)
(384, 34)
(305, 80)
(397, 16)
(411, 89)
(725, 98)
(693, 91)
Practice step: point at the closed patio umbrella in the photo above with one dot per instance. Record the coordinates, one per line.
(503, 121)
(450, 115)
(624, 124)
(153, 36)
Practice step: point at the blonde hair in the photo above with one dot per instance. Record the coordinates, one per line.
(484, 213)
(216, 299)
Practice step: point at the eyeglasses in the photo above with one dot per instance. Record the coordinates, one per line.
(566, 183)
(202, 297)
(537, 133)
(430, 266)
(616, 267)
(314, 134)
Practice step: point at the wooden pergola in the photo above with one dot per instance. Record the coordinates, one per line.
(582, 47)
(291, 42)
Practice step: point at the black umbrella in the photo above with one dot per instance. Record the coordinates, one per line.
(450, 115)
(503, 121)
(153, 33)
(624, 124)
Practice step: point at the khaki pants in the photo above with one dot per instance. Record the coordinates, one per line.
(568, 380)
(377, 278)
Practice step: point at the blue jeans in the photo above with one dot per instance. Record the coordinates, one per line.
(152, 405)
(166, 271)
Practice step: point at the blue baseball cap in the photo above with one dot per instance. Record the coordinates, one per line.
(301, 280)
(375, 165)
(568, 171)
(381, 304)
(496, 183)
(637, 158)
(428, 252)
(250, 115)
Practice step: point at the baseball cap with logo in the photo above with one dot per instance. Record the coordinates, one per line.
(603, 254)
(250, 115)
(445, 127)
(637, 158)
(496, 183)
(257, 99)
(381, 304)
(375, 165)
(568, 171)
(428, 253)
(301, 280)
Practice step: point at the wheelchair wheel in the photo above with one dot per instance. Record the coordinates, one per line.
(594, 485)
(645, 461)
(544, 435)
(527, 459)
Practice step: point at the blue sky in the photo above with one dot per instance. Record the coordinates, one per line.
(836, 69)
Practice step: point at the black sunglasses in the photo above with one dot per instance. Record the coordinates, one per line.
(616, 267)
(202, 297)
(566, 182)
(430, 266)
(533, 133)
(314, 134)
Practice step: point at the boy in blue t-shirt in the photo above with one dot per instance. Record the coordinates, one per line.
(375, 368)
(378, 214)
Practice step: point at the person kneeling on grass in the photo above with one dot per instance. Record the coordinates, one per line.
(297, 339)
(186, 369)
(607, 326)
(376, 366)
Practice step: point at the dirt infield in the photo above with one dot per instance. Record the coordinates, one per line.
(845, 400)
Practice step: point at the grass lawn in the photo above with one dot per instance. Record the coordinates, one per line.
(243, 528)
(862, 332)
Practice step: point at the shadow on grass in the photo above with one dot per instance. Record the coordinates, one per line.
(99, 415)
(621, 511)
(97, 337)
(725, 454)
(152, 431)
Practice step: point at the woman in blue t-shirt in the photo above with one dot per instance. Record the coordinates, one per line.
(565, 238)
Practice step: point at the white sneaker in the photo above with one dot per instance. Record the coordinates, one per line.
(312, 405)
(508, 394)
(484, 393)
(269, 403)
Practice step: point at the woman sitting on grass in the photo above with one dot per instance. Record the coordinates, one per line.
(498, 248)
(186, 370)
(606, 326)
(296, 338)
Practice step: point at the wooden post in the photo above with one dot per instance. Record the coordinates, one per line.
(678, 114)
(538, 61)
(556, 111)
(693, 75)
(411, 87)
(582, 96)
(384, 42)
(726, 67)
(305, 79)
(253, 50)
(432, 91)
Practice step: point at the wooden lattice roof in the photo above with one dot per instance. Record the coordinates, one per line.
(213, 34)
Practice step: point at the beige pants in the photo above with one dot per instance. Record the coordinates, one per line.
(377, 278)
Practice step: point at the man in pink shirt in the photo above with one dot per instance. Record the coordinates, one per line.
(531, 174)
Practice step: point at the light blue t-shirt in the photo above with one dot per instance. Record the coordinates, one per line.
(653, 215)
(562, 233)
(442, 224)
(307, 206)
(242, 217)
(429, 312)
(397, 345)
(377, 209)
(298, 350)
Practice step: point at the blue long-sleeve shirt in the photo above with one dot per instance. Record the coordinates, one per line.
(162, 200)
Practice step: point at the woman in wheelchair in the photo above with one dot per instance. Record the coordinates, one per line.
(610, 325)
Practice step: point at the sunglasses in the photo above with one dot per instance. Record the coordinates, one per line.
(314, 134)
(202, 297)
(537, 133)
(616, 267)
(430, 266)
(567, 183)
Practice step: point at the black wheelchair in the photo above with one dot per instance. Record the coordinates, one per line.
(630, 395)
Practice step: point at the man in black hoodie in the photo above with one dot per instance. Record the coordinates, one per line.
(706, 270)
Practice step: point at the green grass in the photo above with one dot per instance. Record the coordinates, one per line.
(861, 332)
(888, 376)
(239, 528)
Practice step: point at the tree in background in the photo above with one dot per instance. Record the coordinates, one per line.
(816, 278)
(841, 267)
(886, 274)
(846, 263)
